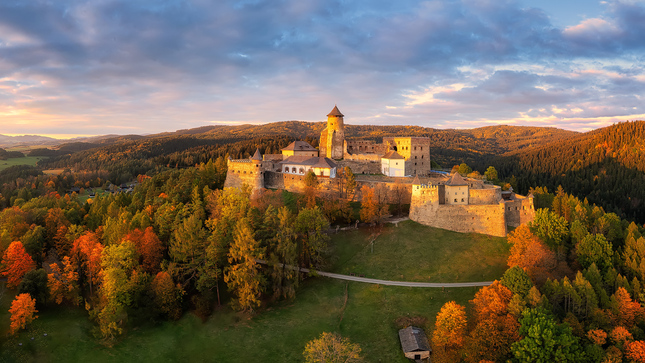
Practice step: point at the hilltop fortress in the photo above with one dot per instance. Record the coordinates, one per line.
(454, 203)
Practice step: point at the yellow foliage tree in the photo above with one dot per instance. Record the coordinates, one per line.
(332, 348)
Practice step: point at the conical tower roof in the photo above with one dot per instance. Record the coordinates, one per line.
(416, 180)
(257, 155)
(456, 179)
(335, 112)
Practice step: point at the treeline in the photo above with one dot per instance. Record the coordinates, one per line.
(574, 292)
(177, 242)
(4, 154)
(606, 166)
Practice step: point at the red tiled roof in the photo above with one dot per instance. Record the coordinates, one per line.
(335, 112)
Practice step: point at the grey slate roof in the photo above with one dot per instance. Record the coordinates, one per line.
(335, 112)
(300, 146)
(315, 162)
(413, 339)
(456, 180)
(257, 155)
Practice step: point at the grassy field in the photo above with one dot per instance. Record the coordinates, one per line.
(364, 313)
(27, 160)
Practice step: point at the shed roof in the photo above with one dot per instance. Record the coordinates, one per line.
(335, 112)
(299, 146)
(456, 180)
(413, 339)
(392, 155)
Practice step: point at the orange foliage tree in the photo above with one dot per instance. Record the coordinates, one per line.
(87, 250)
(23, 310)
(495, 328)
(619, 335)
(635, 351)
(529, 253)
(449, 331)
(149, 248)
(63, 285)
(626, 311)
(17, 263)
(597, 336)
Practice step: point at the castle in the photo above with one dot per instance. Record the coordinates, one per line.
(454, 203)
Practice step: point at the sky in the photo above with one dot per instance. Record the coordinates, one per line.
(74, 67)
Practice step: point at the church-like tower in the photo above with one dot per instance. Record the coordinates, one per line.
(332, 137)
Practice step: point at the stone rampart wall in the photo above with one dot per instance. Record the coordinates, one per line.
(484, 196)
(519, 211)
(363, 157)
(486, 219)
(242, 172)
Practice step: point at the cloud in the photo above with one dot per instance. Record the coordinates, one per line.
(147, 66)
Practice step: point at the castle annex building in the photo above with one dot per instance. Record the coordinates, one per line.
(454, 203)
(469, 205)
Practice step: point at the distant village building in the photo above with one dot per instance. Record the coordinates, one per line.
(415, 344)
(300, 165)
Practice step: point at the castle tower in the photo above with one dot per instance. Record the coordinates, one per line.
(332, 138)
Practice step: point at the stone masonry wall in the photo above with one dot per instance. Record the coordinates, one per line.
(485, 196)
(519, 211)
(486, 219)
(244, 172)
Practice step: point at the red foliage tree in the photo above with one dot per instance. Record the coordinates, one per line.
(149, 248)
(17, 263)
(626, 311)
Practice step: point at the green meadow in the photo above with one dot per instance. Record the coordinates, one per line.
(367, 314)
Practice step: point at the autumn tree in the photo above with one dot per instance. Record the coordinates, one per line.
(626, 311)
(529, 253)
(23, 311)
(372, 209)
(63, 284)
(495, 328)
(243, 276)
(167, 295)
(332, 348)
(149, 248)
(119, 280)
(350, 183)
(450, 331)
(635, 351)
(17, 263)
(86, 253)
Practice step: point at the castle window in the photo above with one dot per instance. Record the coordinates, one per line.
(421, 156)
(293, 170)
(415, 148)
(302, 170)
(462, 199)
(455, 200)
(422, 149)
(286, 169)
(415, 156)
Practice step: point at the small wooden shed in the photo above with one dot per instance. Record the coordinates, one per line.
(415, 344)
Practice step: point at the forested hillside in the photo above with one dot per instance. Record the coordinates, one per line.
(606, 166)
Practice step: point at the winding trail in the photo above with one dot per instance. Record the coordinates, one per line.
(387, 282)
